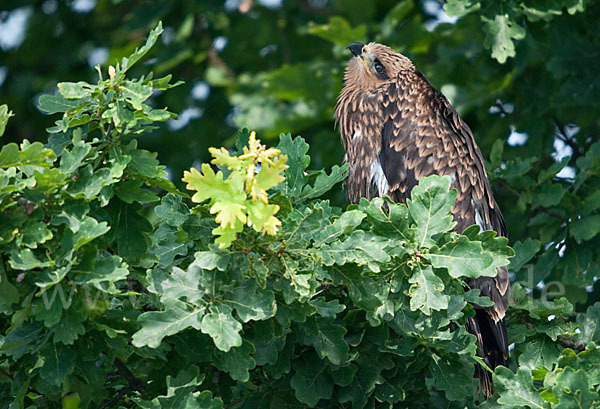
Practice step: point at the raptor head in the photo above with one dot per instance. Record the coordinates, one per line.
(374, 64)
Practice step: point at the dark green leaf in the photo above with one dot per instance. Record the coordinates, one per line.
(310, 381)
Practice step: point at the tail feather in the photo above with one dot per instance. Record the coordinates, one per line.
(492, 341)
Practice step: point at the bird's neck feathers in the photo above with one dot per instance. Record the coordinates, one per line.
(358, 78)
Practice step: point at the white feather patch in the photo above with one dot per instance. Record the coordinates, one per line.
(478, 216)
(378, 178)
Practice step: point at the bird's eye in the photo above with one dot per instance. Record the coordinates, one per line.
(379, 67)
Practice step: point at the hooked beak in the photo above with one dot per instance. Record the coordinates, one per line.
(357, 50)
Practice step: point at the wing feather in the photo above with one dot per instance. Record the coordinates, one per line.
(424, 135)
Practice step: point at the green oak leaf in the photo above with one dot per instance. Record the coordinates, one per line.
(539, 352)
(180, 284)
(429, 207)
(501, 30)
(586, 227)
(451, 376)
(360, 248)
(131, 191)
(26, 259)
(237, 362)
(167, 246)
(462, 258)
(589, 324)
(426, 291)
(172, 211)
(327, 308)
(572, 389)
(70, 326)
(223, 328)
(324, 182)
(26, 154)
(339, 31)
(251, 303)
(59, 362)
(517, 390)
(72, 159)
(348, 221)
(155, 325)
(460, 8)
(524, 251)
(297, 162)
(8, 292)
(268, 338)
(327, 338)
(311, 381)
(35, 234)
(52, 104)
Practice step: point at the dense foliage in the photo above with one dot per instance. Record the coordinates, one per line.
(114, 292)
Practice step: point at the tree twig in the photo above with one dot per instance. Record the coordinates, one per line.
(134, 385)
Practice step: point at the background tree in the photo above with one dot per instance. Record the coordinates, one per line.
(522, 74)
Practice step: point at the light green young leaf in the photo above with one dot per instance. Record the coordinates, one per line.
(75, 90)
(5, 115)
(72, 160)
(26, 154)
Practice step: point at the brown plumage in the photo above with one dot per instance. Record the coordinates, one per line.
(396, 128)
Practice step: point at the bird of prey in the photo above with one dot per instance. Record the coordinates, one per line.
(396, 128)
